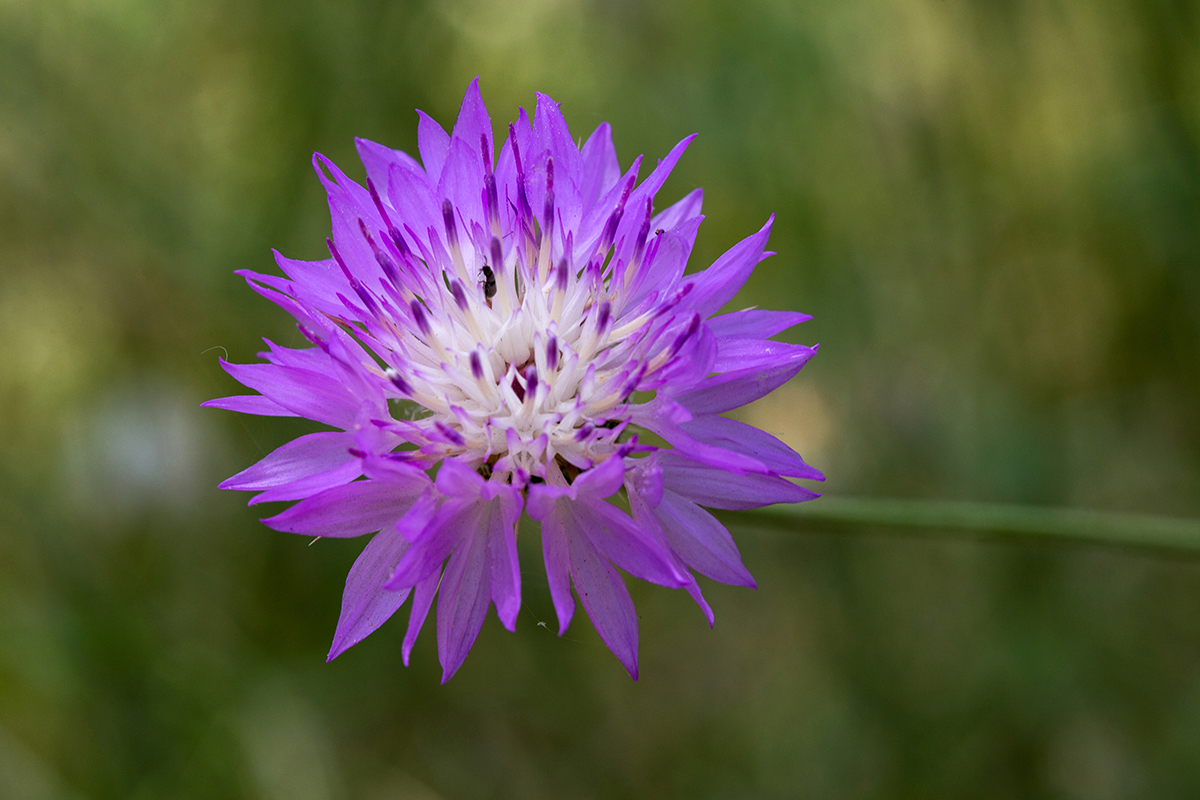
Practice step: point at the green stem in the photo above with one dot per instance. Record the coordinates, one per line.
(1130, 530)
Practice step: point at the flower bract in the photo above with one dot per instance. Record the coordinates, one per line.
(496, 331)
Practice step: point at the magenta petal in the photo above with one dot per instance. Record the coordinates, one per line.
(299, 458)
(717, 488)
(350, 510)
(250, 404)
(422, 601)
(558, 564)
(462, 601)
(755, 323)
(606, 600)
(365, 603)
(701, 541)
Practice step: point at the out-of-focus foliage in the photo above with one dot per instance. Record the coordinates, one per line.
(993, 210)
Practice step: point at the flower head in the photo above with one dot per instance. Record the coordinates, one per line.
(494, 329)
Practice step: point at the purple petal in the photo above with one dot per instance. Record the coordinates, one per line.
(729, 390)
(311, 484)
(622, 541)
(250, 404)
(365, 603)
(600, 167)
(717, 488)
(679, 212)
(558, 564)
(716, 286)
(308, 394)
(462, 601)
(432, 143)
(473, 121)
(755, 323)
(746, 439)
(299, 458)
(422, 601)
(377, 159)
(749, 354)
(693, 589)
(606, 600)
(350, 510)
(412, 195)
(503, 568)
(701, 541)
(462, 180)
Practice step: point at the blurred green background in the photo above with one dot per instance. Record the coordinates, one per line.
(993, 210)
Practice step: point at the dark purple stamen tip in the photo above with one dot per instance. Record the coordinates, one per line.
(497, 256)
(460, 296)
(401, 385)
(562, 276)
(687, 334)
(476, 365)
(486, 152)
(602, 317)
(512, 138)
(531, 381)
(491, 201)
(583, 433)
(453, 436)
(552, 353)
(448, 219)
(379, 205)
(418, 312)
(639, 246)
(385, 263)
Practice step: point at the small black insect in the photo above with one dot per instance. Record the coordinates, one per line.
(489, 282)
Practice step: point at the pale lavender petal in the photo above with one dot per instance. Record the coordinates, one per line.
(606, 600)
(700, 540)
(299, 458)
(365, 603)
(746, 439)
(717, 488)
(350, 510)
(755, 323)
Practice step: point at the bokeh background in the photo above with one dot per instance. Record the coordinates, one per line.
(993, 210)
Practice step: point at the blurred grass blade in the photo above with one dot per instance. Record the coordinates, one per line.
(1131, 530)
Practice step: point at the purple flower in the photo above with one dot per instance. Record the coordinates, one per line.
(492, 330)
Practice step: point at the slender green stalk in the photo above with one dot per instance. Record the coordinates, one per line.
(1130, 530)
